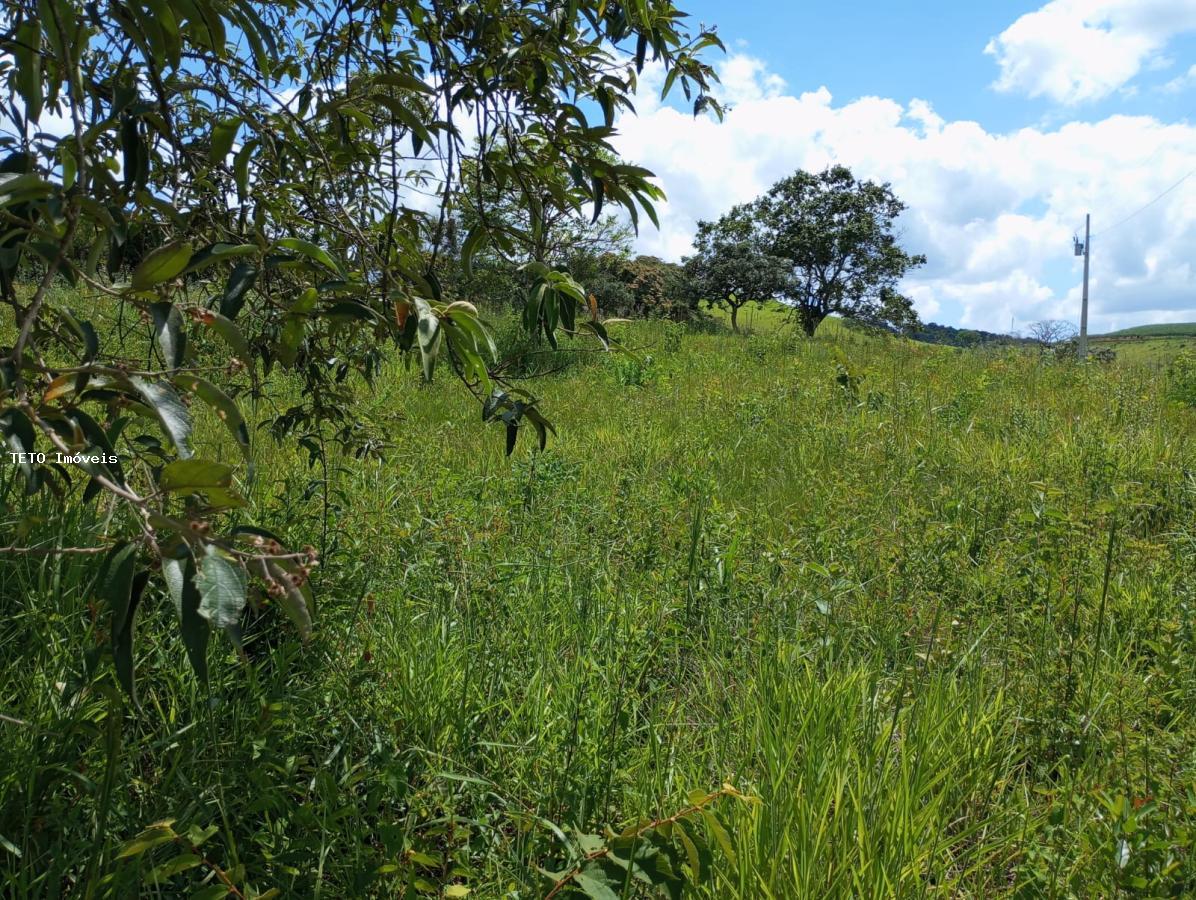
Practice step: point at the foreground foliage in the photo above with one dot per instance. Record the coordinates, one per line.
(247, 188)
(932, 611)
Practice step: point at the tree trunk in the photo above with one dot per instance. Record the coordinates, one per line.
(735, 319)
(811, 320)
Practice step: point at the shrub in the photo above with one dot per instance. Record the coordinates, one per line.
(1181, 379)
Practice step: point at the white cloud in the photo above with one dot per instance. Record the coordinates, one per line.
(1078, 50)
(745, 79)
(993, 212)
(1180, 83)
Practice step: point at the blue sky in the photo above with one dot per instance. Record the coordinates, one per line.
(999, 123)
(932, 50)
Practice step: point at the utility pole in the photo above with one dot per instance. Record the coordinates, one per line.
(1083, 342)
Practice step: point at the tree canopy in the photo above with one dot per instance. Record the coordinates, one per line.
(833, 235)
(730, 269)
(540, 229)
(266, 187)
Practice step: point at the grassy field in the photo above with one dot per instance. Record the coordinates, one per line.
(1155, 352)
(1154, 346)
(933, 609)
(755, 319)
(1166, 329)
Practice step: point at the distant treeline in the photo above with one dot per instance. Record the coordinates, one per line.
(933, 333)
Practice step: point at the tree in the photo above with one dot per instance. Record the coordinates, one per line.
(1051, 332)
(641, 286)
(542, 218)
(837, 237)
(731, 269)
(525, 224)
(245, 178)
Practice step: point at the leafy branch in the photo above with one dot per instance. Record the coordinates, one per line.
(163, 832)
(666, 853)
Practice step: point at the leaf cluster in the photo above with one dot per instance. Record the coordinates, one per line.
(239, 193)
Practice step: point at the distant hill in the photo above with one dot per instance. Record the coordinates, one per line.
(1166, 329)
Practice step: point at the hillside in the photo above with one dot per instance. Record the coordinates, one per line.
(928, 608)
(1162, 330)
(1150, 345)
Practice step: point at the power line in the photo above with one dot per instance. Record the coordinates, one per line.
(1146, 206)
(1146, 161)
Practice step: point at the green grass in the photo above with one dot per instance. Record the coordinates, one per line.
(1166, 329)
(1154, 346)
(1153, 352)
(755, 319)
(933, 608)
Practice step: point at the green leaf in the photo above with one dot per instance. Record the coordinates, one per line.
(219, 252)
(156, 834)
(211, 892)
(222, 588)
(199, 836)
(26, 50)
(347, 310)
(84, 331)
(293, 329)
(597, 193)
(173, 415)
(240, 280)
(241, 168)
(409, 117)
(720, 834)
(223, 135)
(179, 575)
(98, 438)
(600, 882)
(403, 81)
(541, 424)
(252, 531)
(649, 857)
(172, 867)
(10, 847)
(224, 498)
(117, 581)
(475, 240)
(608, 106)
(169, 334)
(231, 334)
(311, 251)
(306, 301)
(18, 187)
(122, 588)
(691, 851)
(599, 331)
(162, 265)
(225, 407)
(531, 310)
(18, 433)
(194, 474)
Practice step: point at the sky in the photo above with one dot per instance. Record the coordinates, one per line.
(999, 124)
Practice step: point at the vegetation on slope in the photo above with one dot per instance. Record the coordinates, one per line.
(931, 609)
(1165, 329)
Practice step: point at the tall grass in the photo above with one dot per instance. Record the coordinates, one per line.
(933, 609)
